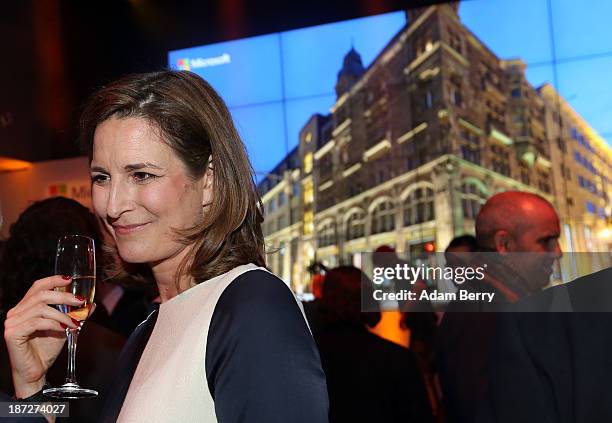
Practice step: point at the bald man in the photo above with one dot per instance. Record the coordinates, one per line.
(522, 229)
(550, 367)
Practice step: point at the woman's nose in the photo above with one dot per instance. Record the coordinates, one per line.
(119, 200)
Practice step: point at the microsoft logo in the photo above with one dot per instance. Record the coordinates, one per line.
(203, 62)
(183, 64)
(60, 189)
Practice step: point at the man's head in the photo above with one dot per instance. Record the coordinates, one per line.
(462, 244)
(457, 252)
(521, 222)
(384, 256)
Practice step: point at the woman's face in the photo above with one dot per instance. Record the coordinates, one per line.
(142, 191)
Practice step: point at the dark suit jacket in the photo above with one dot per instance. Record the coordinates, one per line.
(462, 349)
(555, 366)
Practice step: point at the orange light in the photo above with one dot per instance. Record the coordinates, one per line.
(12, 165)
(429, 247)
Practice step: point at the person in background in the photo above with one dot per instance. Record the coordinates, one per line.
(412, 322)
(369, 378)
(456, 255)
(426, 323)
(462, 244)
(391, 325)
(509, 225)
(311, 308)
(554, 365)
(29, 256)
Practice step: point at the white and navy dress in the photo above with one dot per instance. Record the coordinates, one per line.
(235, 348)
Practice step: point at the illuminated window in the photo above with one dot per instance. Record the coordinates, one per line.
(419, 206)
(308, 137)
(383, 218)
(308, 163)
(355, 226)
(308, 224)
(567, 230)
(472, 198)
(326, 235)
(308, 192)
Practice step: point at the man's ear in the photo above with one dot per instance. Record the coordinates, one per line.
(207, 188)
(502, 241)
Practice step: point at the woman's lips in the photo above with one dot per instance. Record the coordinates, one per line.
(128, 229)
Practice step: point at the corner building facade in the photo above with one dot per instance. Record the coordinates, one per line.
(414, 145)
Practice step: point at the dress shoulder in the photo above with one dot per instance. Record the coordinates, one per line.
(261, 360)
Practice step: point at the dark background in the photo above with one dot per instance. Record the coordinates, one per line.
(54, 53)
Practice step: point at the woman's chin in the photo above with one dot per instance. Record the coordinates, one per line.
(147, 253)
(133, 256)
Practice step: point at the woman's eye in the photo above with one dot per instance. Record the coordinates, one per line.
(99, 179)
(142, 176)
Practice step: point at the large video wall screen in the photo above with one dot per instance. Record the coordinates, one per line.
(274, 83)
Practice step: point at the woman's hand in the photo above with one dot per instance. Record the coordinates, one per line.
(35, 332)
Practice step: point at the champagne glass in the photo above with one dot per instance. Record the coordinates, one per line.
(76, 258)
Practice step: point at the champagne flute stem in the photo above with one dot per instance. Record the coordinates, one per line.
(73, 335)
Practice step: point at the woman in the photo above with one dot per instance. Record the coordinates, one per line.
(173, 185)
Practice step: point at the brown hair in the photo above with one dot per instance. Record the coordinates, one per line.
(29, 253)
(195, 122)
(347, 291)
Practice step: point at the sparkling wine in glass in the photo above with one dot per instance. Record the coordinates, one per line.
(82, 287)
(76, 258)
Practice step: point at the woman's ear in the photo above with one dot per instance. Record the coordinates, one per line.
(207, 188)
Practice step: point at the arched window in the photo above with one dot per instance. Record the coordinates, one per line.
(419, 206)
(355, 225)
(326, 235)
(383, 217)
(472, 198)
